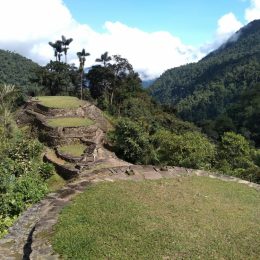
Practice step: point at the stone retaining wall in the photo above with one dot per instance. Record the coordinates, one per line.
(66, 172)
(87, 110)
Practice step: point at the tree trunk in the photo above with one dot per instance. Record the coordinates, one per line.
(81, 87)
(111, 98)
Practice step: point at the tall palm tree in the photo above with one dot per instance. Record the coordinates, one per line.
(66, 43)
(58, 49)
(53, 45)
(82, 58)
(104, 59)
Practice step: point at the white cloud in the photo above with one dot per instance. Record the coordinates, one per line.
(253, 12)
(228, 24)
(28, 26)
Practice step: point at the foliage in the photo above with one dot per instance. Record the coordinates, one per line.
(236, 157)
(57, 78)
(8, 95)
(16, 69)
(111, 84)
(46, 170)
(234, 146)
(104, 59)
(191, 149)
(22, 176)
(5, 223)
(223, 84)
(82, 58)
(179, 218)
(61, 46)
(246, 113)
(131, 141)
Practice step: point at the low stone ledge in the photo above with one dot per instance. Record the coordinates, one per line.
(67, 157)
(65, 172)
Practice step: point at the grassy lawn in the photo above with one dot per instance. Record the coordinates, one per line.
(185, 218)
(69, 122)
(59, 101)
(73, 149)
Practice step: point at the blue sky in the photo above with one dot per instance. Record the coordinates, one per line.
(194, 21)
(153, 35)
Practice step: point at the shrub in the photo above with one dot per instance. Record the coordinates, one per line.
(190, 149)
(31, 187)
(131, 141)
(46, 170)
(22, 177)
(5, 223)
(234, 147)
(235, 157)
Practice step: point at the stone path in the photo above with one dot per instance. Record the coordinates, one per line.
(28, 238)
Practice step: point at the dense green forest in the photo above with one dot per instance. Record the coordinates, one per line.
(16, 69)
(144, 132)
(221, 92)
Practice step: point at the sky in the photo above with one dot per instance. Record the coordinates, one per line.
(153, 35)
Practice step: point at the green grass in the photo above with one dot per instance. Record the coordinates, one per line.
(59, 101)
(73, 149)
(69, 122)
(55, 182)
(186, 218)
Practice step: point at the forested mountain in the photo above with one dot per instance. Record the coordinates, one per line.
(147, 83)
(16, 69)
(215, 88)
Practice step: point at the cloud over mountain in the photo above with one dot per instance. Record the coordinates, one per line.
(28, 26)
(253, 12)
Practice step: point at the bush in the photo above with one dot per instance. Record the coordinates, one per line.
(31, 187)
(46, 170)
(233, 147)
(237, 158)
(131, 142)
(5, 223)
(190, 149)
(22, 177)
(24, 149)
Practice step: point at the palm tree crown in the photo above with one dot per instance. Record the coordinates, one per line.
(104, 59)
(82, 58)
(66, 43)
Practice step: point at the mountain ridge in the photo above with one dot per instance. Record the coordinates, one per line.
(215, 85)
(16, 69)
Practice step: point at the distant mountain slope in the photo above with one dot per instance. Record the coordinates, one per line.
(16, 69)
(211, 87)
(147, 83)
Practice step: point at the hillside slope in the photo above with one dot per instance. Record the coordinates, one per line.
(218, 83)
(16, 69)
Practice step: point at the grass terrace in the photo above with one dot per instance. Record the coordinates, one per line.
(184, 218)
(73, 149)
(69, 122)
(59, 101)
